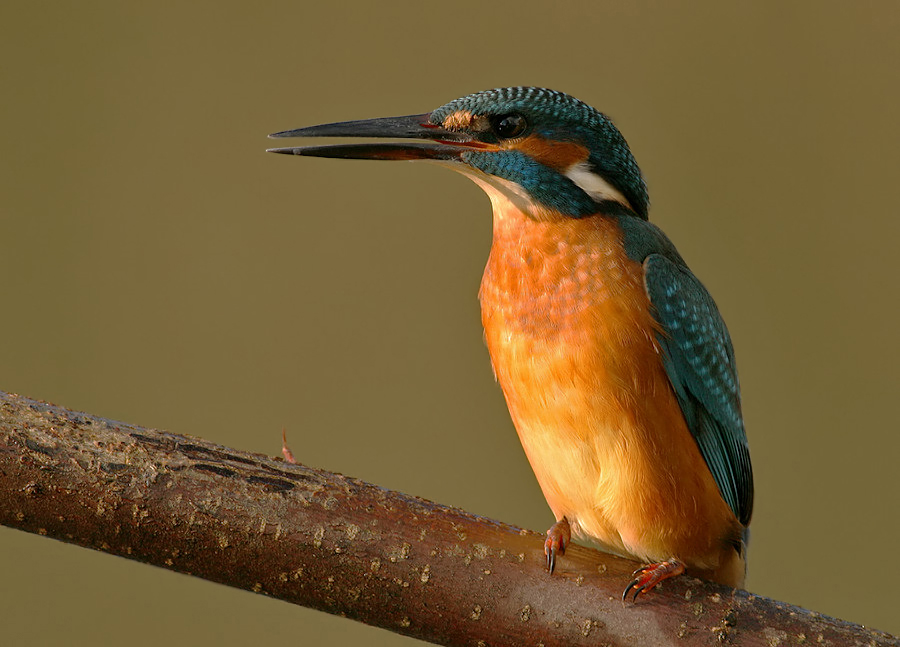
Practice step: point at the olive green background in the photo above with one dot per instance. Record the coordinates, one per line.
(159, 267)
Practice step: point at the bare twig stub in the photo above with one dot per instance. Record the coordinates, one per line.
(337, 544)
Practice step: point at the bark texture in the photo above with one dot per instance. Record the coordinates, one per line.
(346, 547)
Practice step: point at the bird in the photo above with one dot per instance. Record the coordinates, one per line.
(617, 367)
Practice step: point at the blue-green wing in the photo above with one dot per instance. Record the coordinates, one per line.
(699, 361)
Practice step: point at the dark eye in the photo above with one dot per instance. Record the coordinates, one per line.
(508, 126)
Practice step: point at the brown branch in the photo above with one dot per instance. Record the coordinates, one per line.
(337, 544)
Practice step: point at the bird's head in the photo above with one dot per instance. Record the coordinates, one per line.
(545, 151)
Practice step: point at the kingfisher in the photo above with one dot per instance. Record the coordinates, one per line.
(616, 366)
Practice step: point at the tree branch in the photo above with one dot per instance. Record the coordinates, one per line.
(337, 544)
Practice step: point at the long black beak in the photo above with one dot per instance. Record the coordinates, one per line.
(409, 127)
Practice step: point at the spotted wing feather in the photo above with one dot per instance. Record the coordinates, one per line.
(699, 361)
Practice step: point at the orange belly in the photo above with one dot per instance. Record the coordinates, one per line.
(572, 342)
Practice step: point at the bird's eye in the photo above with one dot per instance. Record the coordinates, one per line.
(508, 126)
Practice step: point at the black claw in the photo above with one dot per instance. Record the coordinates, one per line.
(551, 560)
(637, 591)
(628, 588)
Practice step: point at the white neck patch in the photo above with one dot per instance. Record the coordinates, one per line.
(594, 185)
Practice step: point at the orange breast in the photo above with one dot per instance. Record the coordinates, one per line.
(572, 342)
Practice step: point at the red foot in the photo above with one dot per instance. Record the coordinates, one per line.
(558, 537)
(651, 575)
(285, 450)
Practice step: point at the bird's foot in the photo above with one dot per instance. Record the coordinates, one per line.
(649, 576)
(285, 450)
(558, 537)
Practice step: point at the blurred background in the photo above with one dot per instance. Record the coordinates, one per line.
(160, 268)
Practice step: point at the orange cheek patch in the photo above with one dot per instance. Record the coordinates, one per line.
(557, 155)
